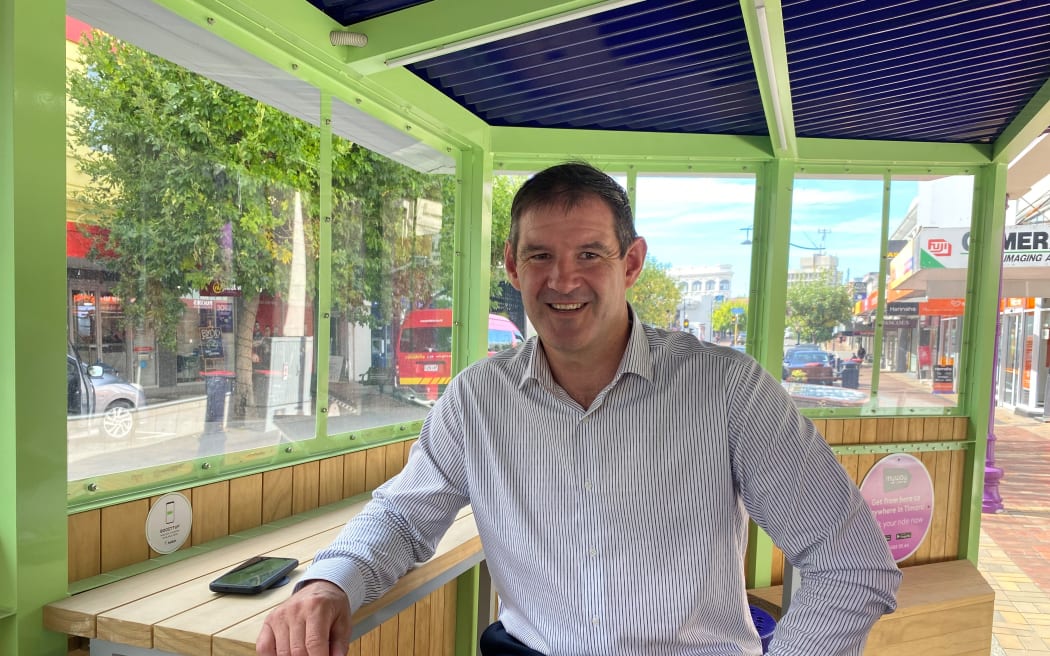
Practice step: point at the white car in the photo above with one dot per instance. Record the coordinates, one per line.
(100, 395)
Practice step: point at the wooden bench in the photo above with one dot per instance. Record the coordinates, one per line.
(170, 608)
(943, 609)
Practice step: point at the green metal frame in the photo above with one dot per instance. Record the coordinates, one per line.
(294, 37)
(32, 316)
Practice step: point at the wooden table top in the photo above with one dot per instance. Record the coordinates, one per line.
(171, 608)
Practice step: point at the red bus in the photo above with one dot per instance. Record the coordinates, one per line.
(423, 351)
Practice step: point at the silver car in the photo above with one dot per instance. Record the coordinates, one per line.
(100, 394)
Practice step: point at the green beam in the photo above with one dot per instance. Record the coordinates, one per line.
(472, 267)
(1026, 126)
(532, 148)
(441, 23)
(982, 309)
(33, 553)
(413, 92)
(764, 23)
(889, 153)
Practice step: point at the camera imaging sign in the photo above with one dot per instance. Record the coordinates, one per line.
(899, 492)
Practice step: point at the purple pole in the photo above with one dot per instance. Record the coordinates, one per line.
(993, 503)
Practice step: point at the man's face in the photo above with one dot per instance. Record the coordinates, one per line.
(572, 279)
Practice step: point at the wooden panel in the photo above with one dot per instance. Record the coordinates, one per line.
(437, 623)
(450, 619)
(955, 501)
(330, 486)
(375, 467)
(424, 625)
(277, 494)
(369, 644)
(354, 474)
(211, 511)
(406, 632)
(395, 459)
(245, 502)
(124, 534)
(305, 483)
(85, 545)
(388, 636)
(408, 447)
(851, 430)
(833, 431)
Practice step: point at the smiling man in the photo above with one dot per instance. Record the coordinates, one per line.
(612, 469)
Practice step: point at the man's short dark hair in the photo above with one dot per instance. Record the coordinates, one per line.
(567, 185)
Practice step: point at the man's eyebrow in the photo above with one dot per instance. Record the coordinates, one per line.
(599, 246)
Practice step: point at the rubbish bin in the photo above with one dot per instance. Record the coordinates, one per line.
(850, 375)
(216, 386)
(765, 624)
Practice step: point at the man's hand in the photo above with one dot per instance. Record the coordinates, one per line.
(315, 621)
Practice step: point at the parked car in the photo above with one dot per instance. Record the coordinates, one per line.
(809, 366)
(100, 394)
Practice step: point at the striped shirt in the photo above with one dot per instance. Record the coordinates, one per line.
(620, 529)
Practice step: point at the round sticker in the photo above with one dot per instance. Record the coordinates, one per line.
(899, 492)
(168, 523)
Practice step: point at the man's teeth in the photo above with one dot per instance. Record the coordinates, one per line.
(564, 306)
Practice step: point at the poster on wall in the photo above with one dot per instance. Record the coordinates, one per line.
(899, 492)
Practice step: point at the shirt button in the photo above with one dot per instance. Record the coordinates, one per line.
(595, 621)
(593, 552)
(587, 485)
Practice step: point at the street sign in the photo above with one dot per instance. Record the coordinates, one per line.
(737, 310)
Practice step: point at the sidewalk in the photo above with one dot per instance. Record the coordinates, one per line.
(1015, 543)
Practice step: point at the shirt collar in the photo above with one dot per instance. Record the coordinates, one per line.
(636, 359)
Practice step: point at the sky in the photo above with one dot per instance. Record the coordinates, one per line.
(694, 221)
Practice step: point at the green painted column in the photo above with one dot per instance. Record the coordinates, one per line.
(766, 309)
(471, 270)
(986, 256)
(33, 563)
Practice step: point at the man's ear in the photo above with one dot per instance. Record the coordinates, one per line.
(635, 260)
(511, 265)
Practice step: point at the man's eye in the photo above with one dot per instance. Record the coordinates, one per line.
(539, 256)
(589, 256)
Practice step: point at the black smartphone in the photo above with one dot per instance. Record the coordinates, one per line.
(254, 575)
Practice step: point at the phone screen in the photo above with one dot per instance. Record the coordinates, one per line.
(260, 571)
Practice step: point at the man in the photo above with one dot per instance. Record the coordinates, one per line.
(611, 468)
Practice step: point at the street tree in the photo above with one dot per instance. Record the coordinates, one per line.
(726, 321)
(655, 295)
(195, 184)
(815, 307)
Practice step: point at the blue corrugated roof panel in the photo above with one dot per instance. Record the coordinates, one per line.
(916, 70)
(348, 12)
(661, 65)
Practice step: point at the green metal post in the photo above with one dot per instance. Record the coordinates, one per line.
(32, 316)
(471, 270)
(765, 312)
(982, 307)
(467, 599)
(324, 265)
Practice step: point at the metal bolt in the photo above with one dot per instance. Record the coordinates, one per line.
(295, 66)
(206, 465)
(324, 411)
(327, 315)
(211, 21)
(287, 449)
(92, 487)
(352, 436)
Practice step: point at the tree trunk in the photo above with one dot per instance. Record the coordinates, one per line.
(243, 395)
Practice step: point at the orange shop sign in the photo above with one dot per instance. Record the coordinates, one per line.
(942, 307)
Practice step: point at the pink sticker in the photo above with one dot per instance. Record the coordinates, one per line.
(899, 492)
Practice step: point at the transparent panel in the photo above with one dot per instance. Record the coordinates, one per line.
(192, 237)
(697, 273)
(392, 233)
(928, 256)
(832, 290)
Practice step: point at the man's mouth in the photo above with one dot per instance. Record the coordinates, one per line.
(566, 307)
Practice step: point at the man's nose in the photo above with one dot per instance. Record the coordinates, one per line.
(564, 275)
